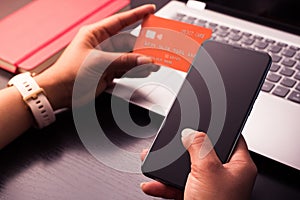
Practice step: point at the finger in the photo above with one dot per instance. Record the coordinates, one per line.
(201, 150)
(144, 153)
(126, 62)
(109, 65)
(116, 23)
(158, 189)
(241, 151)
(142, 71)
(241, 161)
(122, 42)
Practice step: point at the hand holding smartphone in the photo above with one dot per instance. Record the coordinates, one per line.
(242, 73)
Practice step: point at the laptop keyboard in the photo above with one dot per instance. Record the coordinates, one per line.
(283, 78)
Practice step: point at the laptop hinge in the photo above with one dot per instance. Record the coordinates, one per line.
(198, 5)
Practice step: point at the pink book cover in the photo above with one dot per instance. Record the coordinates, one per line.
(34, 36)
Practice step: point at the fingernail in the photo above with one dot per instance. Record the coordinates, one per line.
(142, 184)
(206, 147)
(145, 150)
(154, 6)
(187, 137)
(144, 60)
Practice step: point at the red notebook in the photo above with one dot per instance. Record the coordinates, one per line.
(33, 37)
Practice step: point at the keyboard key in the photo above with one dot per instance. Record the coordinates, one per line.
(289, 53)
(295, 48)
(247, 34)
(213, 29)
(281, 91)
(295, 97)
(235, 37)
(298, 87)
(179, 16)
(297, 57)
(257, 37)
(222, 33)
(282, 44)
(287, 72)
(261, 45)
(212, 24)
(200, 22)
(274, 67)
(235, 31)
(270, 41)
(276, 58)
(189, 20)
(288, 82)
(298, 66)
(248, 41)
(267, 86)
(297, 76)
(273, 77)
(225, 28)
(288, 62)
(192, 18)
(275, 49)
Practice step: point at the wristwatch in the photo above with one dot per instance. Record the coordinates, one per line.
(35, 98)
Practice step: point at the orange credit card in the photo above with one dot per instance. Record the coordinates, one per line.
(170, 43)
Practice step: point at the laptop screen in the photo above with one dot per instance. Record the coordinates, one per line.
(280, 14)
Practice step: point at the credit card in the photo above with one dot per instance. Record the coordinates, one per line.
(170, 43)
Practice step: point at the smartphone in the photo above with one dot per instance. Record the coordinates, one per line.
(216, 97)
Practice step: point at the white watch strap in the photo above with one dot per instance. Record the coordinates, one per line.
(35, 98)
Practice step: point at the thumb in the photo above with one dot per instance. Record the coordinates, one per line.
(199, 147)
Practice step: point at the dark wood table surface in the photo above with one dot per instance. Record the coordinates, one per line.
(53, 163)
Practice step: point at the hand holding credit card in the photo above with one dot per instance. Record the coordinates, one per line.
(170, 43)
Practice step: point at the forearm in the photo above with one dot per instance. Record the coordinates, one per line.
(15, 116)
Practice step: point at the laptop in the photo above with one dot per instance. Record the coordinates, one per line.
(272, 129)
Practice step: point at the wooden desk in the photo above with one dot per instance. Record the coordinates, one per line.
(53, 163)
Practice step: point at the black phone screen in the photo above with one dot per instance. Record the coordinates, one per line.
(216, 97)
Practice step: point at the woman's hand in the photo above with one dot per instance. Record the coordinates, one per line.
(95, 53)
(209, 178)
(87, 58)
